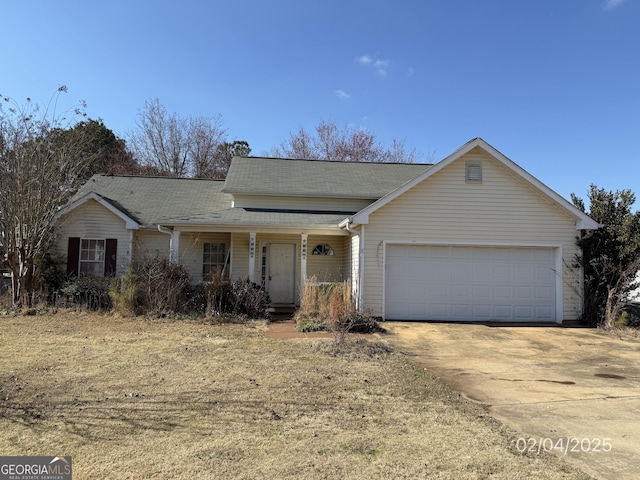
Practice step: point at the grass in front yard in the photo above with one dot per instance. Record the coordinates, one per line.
(134, 398)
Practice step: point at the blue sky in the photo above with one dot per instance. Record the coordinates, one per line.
(554, 85)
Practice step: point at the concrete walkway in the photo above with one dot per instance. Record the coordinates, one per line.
(568, 385)
(286, 328)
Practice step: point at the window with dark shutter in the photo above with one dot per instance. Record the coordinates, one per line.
(111, 253)
(73, 255)
(92, 255)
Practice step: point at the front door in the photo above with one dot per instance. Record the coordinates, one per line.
(282, 261)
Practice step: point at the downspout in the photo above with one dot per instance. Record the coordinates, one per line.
(347, 225)
(169, 232)
(130, 246)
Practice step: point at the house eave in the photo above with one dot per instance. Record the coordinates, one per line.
(271, 229)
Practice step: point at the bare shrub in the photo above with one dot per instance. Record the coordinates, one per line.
(249, 299)
(240, 297)
(217, 294)
(161, 285)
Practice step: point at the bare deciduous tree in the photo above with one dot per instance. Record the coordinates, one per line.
(345, 145)
(40, 167)
(219, 163)
(172, 145)
(206, 137)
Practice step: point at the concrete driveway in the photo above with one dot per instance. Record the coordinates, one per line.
(573, 386)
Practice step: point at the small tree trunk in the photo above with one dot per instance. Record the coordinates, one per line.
(16, 289)
(611, 309)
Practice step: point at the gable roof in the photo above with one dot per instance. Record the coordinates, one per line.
(150, 201)
(583, 221)
(317, 178)
(114, 207)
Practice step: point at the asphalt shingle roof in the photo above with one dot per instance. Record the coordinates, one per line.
(172, 201)
(315, 178)
(152, 200)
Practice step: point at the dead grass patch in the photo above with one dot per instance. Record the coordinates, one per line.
(135, 398)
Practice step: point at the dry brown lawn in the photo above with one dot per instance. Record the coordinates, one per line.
(135, 398)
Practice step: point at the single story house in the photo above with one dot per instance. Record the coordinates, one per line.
(473, 237)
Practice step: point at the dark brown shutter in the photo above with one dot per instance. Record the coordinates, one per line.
(73, 256)
(110, 252)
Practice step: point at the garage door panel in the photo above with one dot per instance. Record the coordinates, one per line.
(459, 291)
(544, 273)
(501, 273)
(503, 312)
(544, 293)
(470, 283)
(544, 314)
(481, 272)
(439, 310)
(501, 291)
(523, 293)
(417, 309)
(481, 312)
(524, 312)
(460, 272)
(482, 292)
(522, 273)
(461, 310)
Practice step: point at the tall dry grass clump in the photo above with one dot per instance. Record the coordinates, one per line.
(327, 306)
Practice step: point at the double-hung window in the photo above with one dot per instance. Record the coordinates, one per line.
(91, 257)
(92, 254)
(213, 260)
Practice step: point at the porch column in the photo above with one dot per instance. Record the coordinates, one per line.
(303, 259)
(252, 256)
(174, 246)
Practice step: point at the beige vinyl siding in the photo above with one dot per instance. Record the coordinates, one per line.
(240, 257)
(92, 220)
(192, 250)
(150, 244)
(301, 203)
(502, 210)
(326, 268)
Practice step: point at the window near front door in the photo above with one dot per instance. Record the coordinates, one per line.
(213, 260)
(263, 269)
(323, 249)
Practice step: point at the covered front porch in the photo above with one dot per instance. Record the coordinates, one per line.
(277, 259)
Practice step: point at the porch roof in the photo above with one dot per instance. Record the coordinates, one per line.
(241, 217)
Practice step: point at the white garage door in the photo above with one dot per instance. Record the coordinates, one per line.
(470, 283)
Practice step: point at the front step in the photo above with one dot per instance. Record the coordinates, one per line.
(281, 312)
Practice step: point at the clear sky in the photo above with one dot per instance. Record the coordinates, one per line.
(552, 84)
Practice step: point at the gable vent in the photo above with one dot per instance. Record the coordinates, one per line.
(473, 172)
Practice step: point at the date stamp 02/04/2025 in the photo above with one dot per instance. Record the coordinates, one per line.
(565, 445)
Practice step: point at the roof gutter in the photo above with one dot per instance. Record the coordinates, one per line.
(346, 224)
